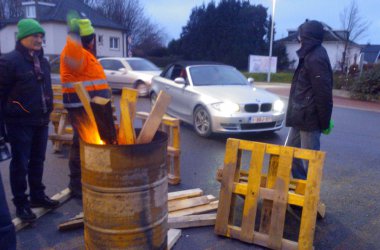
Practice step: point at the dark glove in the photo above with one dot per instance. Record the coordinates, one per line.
(329, 129)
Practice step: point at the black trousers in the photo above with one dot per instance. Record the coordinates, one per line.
(28, 146)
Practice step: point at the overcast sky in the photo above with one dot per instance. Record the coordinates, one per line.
(172, 15)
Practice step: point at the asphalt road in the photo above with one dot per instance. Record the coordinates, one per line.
(350, 187)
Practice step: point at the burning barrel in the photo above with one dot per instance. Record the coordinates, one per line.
(125, 195)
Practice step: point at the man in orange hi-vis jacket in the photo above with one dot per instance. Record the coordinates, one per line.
(79, 64)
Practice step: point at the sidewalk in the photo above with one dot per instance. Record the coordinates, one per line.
(341, 97)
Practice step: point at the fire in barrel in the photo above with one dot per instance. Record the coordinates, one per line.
(124, 178)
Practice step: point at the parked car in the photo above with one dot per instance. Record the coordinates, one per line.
(217, 98)
(132, 72)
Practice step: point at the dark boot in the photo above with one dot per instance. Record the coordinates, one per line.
(25, 214)
(44, 201)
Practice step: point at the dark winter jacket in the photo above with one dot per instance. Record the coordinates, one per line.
(310, 101)
(26, 97)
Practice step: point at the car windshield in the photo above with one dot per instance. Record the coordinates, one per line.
(216, 75)
(142, 65)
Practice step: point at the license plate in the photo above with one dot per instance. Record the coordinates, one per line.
(261, 119)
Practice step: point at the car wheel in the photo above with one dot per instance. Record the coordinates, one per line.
(153, 98)
(142, 89)
(202, 122)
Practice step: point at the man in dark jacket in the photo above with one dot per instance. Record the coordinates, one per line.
(310, 101)
(27, 100)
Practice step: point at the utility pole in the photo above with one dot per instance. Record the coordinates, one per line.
(271, 41)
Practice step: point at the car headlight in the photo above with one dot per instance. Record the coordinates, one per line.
(278, 106)
(226, 107)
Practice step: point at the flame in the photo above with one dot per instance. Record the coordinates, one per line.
(88, 130)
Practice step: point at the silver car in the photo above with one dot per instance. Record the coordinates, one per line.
(132, 72)
(217, 98)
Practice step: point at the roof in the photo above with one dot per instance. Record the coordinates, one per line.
(59, 11)
(371, 53)
(329, 36)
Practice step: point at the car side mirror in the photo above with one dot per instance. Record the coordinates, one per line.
(180, 80)
(251, 81)
(122, 70)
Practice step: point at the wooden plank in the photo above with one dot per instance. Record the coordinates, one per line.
(153, 122)
(309, 212)
(57, 145)
(280, 201)
(185, 194)
(225, 196)
(252, 194)
(102, 109)
(199, 220)
(173, 237)
(63, 138)
(173, 151)
(212, 206)
(128, 101)
(266, 210)
(71, 224)
(40, 211)
(167, 120)
(131, 96)
(175, 205)
(85, 99)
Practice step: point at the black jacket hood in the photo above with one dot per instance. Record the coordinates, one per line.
(311, 30)
(311, 35)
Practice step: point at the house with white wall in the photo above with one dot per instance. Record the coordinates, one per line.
(110, 36)
(371, 54)
(333, 43)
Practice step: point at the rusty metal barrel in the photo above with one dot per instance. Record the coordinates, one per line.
(125, 195)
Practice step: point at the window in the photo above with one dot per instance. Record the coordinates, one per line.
(176, 72)
(111, 64)
(100, 39)
(30, 11)
(114, 43)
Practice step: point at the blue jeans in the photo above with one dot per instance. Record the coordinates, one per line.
(302, 139)
(7, 230)
(28, 145)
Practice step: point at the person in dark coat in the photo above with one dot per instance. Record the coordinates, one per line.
(7, 229)
(310, 101)
(27, 101)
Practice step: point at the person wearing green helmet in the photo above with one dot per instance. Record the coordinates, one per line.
(26, 103)
(79, 64)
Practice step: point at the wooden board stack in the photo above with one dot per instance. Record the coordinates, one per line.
(186, 209)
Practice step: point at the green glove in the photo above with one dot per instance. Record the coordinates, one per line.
(72, 19)
(328, 130)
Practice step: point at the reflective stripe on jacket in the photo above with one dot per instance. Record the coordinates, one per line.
(79, 65)
(94, 88)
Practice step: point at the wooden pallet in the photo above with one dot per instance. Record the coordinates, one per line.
(275, 194)
(296, 186)
(63, 132)
(171, 126)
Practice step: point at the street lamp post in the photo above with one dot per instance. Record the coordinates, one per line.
(271, 41)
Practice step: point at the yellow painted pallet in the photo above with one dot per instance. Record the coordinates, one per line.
(171, 126)
(274, 193)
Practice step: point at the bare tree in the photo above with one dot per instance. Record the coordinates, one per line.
(354, 26)
(130, 14)
(10, 8)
